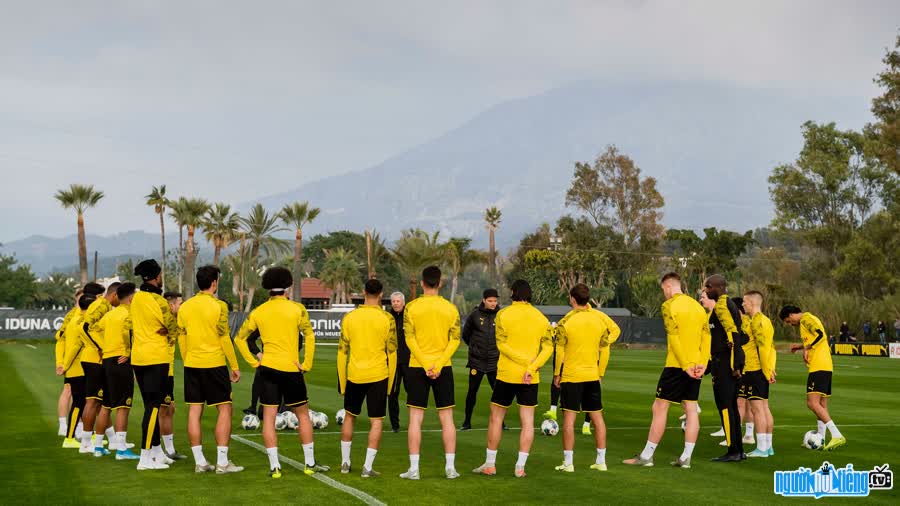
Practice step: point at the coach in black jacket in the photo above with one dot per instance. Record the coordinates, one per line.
(398, 305)
(726, 364)
(478, 334)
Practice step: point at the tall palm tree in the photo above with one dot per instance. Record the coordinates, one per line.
(158, 201)
(193, 214)
(492, 217)
(460, 257)
(340, 272)
(80, 198)
(178, 213)
(297, 215)
(221, 227)
(416, 250)
(259, 229)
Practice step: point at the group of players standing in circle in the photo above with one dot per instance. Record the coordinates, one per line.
(123, 333)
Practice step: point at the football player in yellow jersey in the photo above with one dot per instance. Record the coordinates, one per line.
(64, 402)
(817, 355)
(153, 330)
(431, 326)
(369, 341)
(687, 332)
(167, 408)
(525, 342)
(580, 337)
(70, 366)
(280, 322)
(95, 379)
(204, 342)
(752, 381)
(762, 335)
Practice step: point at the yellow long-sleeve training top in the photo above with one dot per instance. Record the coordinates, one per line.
(764, 335)
(60, 348)
(204, 339)
(525, 341)
(73, 348)
(687, 332)
(93, 338)
(60, 333)
(150, 313)
(751, 353)
(369, 339)
(580, 336)
(115, 330)
(431, 327)
(813, 335)
(280, 322)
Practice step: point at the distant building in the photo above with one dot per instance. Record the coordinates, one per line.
(315, 295)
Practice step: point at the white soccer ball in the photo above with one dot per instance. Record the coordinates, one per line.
(813, 440)
(683, 424)
(549, 428)
(339, 416)
(321, 421)
(291, 420)
(250, 422)
(280, 421)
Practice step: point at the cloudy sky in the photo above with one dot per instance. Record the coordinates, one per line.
(235, 100)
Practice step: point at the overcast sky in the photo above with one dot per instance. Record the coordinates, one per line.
(235, 100)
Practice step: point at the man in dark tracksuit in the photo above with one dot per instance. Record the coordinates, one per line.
(726, 364)
(398, 304)
(479, 335)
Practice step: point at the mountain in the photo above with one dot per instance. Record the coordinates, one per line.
(710, 146)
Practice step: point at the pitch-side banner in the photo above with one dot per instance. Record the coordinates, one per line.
(870, 350)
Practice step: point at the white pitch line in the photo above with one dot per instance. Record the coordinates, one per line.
(359, 494)
(33, 347)
(538, 429)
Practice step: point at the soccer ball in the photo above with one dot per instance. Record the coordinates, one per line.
(683, 424)
(813, 440)
(291, 419)
(250, 422)
(321, 420)
(339, 416)
(550, 428)
(280, 421)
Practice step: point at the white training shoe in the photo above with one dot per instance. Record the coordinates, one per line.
(204, 468)
(724, 442)
(718, 433)
(151, 465)
(451, 473)
(63, 430)
(228, 468)
(412, 474)
(748, 440)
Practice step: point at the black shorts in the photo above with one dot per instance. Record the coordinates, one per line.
(677, 386)
(819, 382)
(504, 393)
(209, 385)
(169, 392)
(375, 395)
(95, 380)
(418, 386)
(754, 386)
(119, 384)
(279, 387)
(582, 396)
(151, 380)
(77, 385)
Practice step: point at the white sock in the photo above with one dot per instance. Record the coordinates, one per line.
(199, 459)
(222, 455)
(62, 423)
(98, 441)
(110, 434)
(309, 454)
(552, 408)
(156, 452)
(567, 457)
(648, 450)
(769, 441)
(832, 428)
(523, 458)
(273, 457)
(586, 424)
(145, 456)
(688, 451)
(490, 457)
(170, 444)
(345, 451)
(79, 429)
(121, 444)
(601, 456)
(749, 430)
(450, 461)
(86, 439)
(820, 427)
(370, 458)
(413, 462)
(761, 442)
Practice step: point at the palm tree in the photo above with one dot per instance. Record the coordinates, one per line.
(340, 272)
(461, 257)
(80, 198)
(221, 227)
(192, 212)
(259, 228)
(297, 215)
(492, 221)
(416, 250)
(179, 214)
(158, 201)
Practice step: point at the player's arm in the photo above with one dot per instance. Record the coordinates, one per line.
(225, 337)
(468, 328)
(391, 350)
(705, 344)
(452, 342)
(726, 318)
(253, 343)
(309, 339)
(60, 333)
(182, 332)
(503, 345)
(545, 351)
(169, 321)
(412, 342)
(60, 351)
(763, 343)
(561, 339)
(613, 330)
(342, 354)
(603, 362)
(240, 340)
(127, 334)
(673, 334)
(73, 347)
(815, 329)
